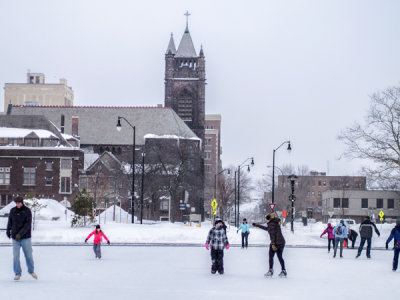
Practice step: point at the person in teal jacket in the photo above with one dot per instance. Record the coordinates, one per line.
(245, 233)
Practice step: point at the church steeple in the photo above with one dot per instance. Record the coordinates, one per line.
(171, 46)
(186, 47)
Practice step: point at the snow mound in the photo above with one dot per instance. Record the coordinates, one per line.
(52, 210)
(121, 216)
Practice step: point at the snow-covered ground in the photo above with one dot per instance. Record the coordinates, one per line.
(71, 272)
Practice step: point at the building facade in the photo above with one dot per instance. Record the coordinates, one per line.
(35, 160)
(356, 204)
(37, 92)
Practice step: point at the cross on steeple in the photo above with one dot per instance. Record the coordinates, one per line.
(187, 14)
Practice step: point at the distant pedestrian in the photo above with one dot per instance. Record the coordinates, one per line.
(98, 237)
(244, 227)
(217, 241)
(277, 243)
(366, 233)
(352, 236)
(340, 232)
(19, 228)
(331, 236)
(395, 234)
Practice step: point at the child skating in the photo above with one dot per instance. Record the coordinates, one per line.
(98, 236)
(217, 240)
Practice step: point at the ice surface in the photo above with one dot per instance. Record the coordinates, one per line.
(184, 273)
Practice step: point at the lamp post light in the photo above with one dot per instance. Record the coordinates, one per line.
(142, 189)
(238, 187)
(289, 148)
(133, 164)
(292, 178)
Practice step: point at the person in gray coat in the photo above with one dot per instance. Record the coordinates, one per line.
(366, 232)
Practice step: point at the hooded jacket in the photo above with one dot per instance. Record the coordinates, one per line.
(394, 234)
(274, 230)
(328, 230)
(97, 236)
(19, 222)
(343, 234)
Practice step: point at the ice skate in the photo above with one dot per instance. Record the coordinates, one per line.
(34, 275)
(17, 277)
(269, 273)
(283, 273)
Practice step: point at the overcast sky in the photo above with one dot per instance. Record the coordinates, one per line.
(276, 70)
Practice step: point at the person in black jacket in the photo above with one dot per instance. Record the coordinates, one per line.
(352, 235)
(19, 229)
(277, 242)
(366, 235)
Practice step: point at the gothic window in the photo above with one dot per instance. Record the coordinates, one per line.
(185, 105)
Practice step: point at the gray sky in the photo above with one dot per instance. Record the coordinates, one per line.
(276, 70)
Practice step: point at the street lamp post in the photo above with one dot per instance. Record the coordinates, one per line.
(142, 190)
(133, 164)
(238, 186)
(292, 178)
(289, 148)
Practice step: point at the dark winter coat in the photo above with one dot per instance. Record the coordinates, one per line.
(352, 235)
(394, 234)
(275, 232)
(366, 229)
(19, 222)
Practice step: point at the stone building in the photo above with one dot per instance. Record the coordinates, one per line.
(356, 204)
(159, 133)
(37, 92)
(36, 160)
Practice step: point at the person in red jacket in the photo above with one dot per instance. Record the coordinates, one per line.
(98, 236)
(331, 236)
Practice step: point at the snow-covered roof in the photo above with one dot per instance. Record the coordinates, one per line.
(168, 136)
(7, 132)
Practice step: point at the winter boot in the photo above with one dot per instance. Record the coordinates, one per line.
(221, 272)
(358, 255)
(269, 273)
(213, 271)
(17, 277)
(283, 273)
(34, 275)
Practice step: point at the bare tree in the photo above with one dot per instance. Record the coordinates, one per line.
(378, 139)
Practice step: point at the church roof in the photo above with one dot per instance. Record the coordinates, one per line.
(171, 46)
(186, 47)
(97, 125)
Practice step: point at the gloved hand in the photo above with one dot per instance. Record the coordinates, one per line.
(85, 240)
(207, 246)
(108, 242)
(227, 246)
(387, 246)
(274, 247)
(254, 224)
(18, 237)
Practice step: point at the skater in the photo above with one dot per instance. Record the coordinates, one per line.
(366, 235)
(340, 232)
(19, 229)
(331, 236)
(98, 236)
(352, 236)
(218, 241)
(277, 243)
(395, 234)
(245, 233)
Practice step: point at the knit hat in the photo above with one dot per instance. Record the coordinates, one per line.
(244, 219)
(218, 221)
(19, 199)
(97, 226)
(342, 222)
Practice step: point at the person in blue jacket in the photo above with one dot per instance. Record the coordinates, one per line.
(245, 233)
(340, 232)
(395, 234)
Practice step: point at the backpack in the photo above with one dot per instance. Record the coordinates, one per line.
(339, 230)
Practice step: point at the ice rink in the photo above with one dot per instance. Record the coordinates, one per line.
(71, 272)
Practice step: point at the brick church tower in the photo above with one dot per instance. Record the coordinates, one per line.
(185, 81)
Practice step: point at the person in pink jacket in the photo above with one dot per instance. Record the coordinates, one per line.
(98, 236)
(331, 236)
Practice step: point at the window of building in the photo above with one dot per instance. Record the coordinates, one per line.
(207, 168)
(364, 203)
(207, 142)
(312, 194)
(37, 80)
(31, 79)
(319, 194)
(49, 166)
(3, 200)
(345, 202)
(31, 142)
(49, 180)
(379, 203)
(324, 183)
(319, 183)
(312, 183)
(65, 185)
(336, 202)
(83, 184)
(13, 142)
(207, 155)
(390, 203)
(164, 205)
(66, 164)
(29, 176)
(4, 175)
